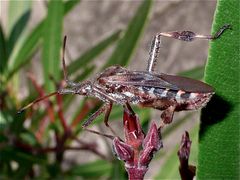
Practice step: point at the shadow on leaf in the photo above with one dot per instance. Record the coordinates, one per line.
(216, 111)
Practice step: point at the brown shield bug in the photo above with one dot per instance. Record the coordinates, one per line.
(144, 88)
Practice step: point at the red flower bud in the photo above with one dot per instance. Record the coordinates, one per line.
(153, 138)
(184, 150)
(146, 156)
(122, 150)
(132, 129)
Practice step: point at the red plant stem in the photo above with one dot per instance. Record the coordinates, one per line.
(88, 106)
(42, 127)
(41, 92)
(136, 157)
(60, 113)
(136, 173)
(91, 147)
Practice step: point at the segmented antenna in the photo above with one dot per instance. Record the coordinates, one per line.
(65, 74)
(63, 60)
(54, 93)
(36, 101)
(153, 54)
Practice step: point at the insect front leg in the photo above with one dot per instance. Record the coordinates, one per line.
(105, 108)
(129, 109)
(107, 113)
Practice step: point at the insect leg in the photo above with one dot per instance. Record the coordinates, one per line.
(129, 109)
(108, 111)
(103, 94)
(105, 108)
(96, 114)
(190, 36)
(167, 115)
(99, 133)
(180, 35)
(153, 53)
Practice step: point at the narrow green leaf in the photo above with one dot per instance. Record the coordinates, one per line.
(9, 153)
(29, 138)
(30, 44)
(69, 5)
(52, 43)
(195, 73)
(15, 10)
(92, 53)
(85, 74)
(3, 51)
(220, 131)
(17, 30)
(93, 169)
(126, 46)
(118, 170)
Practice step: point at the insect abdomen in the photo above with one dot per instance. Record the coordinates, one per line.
(166, 93)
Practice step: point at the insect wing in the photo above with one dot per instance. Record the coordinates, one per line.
(141, 78)
(187, 84)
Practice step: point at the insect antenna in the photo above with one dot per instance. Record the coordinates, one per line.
(65, 74)
(63, 60)
(62, 91)
(36, 101)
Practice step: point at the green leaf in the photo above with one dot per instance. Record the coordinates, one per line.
(69, 5)
(127, 44)
(9, 153)
(15, 10)
(219, 134)
(25, 51)
(92, 53)
(118, 170)
(169, 169)
(30, 44)
(195, 73)
(3, 51)
(87, 71)
(52, 43)
(17, 30)
(93, 169)
(29, 138)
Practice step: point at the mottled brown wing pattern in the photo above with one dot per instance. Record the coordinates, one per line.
(140, 78)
